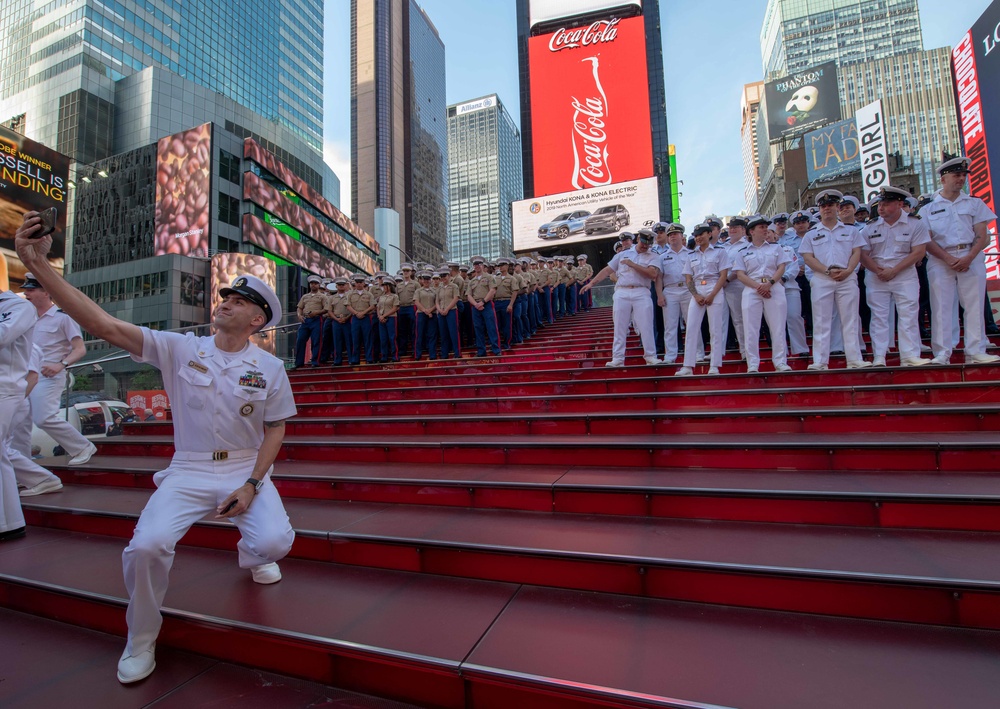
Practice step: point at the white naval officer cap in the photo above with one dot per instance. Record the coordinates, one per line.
(30, 281)
(675, 228)
(829, 197)
(850, 199)
(314, 279)
(258, 293)
(757, 220)
(954, 165)
(888, 193)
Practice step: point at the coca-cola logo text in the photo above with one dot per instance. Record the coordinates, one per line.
(600, 31)
(590, 139)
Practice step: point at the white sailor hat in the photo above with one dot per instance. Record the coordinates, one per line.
(359, 278)
(713, 220)
(954, 165)
(701, 228)
(888, 193)
(258, 293)
(850, 199)
(800, 216)
(829, 197)
(779, 217)
(662, 226)
(30, 282)
(737, 221)
(314, 279)
(757, 220)
(675, 228)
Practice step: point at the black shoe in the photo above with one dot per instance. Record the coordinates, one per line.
(12, 534)
(993, 330)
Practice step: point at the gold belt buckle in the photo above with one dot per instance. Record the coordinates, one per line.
(220, 455)
(704, 283)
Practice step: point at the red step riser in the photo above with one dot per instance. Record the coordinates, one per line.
(892, 514)
(938, 605)
(428, 685)
(541, 425)
(803, 457)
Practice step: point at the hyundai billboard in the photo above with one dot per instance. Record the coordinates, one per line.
(976, 68)
(584, 215)
(801, 102)
(590, 106)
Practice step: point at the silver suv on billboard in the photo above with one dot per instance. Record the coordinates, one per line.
(611, 218)
(564, 225)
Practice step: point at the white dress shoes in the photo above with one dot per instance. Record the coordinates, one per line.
(132, 669)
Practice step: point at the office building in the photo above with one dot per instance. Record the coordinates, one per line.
(484, 177)
(749, 108)
(399, 137)
(105, 82)
(798, 34)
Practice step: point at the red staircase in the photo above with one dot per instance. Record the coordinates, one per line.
(538, 530)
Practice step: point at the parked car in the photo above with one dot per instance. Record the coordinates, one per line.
(611, 218)
(91, 418)
(564, 225)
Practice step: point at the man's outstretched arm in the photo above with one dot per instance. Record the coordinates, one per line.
(78, 306)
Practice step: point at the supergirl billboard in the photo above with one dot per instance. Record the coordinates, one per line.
(584, 215)
(590, 106)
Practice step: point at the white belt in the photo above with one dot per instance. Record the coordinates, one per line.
(621, 286)
(216, 455)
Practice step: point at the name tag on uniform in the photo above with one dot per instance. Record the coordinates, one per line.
(200, 367)
(875, 236)
(819, 238)
(939, 211)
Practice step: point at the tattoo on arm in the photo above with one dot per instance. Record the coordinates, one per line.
(274, 424)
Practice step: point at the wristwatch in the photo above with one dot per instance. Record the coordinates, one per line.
(64, 363)
(256, 484)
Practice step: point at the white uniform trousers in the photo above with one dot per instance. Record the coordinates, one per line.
(186, 492)
(969, 289)
(904, 292)
(633, 305)
(11, 516)
(828, 294)
(795, 323)
(26, 471)
(734, 301)
(718, 327)
(45, 399)
(678, 298)
(775, 311)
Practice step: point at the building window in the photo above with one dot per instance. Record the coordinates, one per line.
(229, 167)
(229, 210)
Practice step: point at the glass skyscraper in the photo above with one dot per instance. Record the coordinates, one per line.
(62, 60)
(484, 176)
(399, 136)
(798, 34)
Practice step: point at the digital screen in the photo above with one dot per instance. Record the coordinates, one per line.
(585, 215)
(832, 150)
(802, 102)
(32, 178)
(183, 193)
(590, 106)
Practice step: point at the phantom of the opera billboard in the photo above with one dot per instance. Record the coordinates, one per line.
(802, 102)
(976, 68)
(32, 178)
(584, 215)
(590, 106)
(183, 193)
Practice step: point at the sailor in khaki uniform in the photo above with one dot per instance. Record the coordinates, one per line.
(760, 267)
(340, 318)
(361, 305)
(449, 295)
(506, 288)
(231, 401)
(425, 301)
(310, 310)
(386, 309)
(479, 292)
(407, 317)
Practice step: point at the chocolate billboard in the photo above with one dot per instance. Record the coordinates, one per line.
(590, 106)
(32, 178)
(183, 193)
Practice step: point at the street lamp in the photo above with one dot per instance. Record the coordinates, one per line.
(408, 257)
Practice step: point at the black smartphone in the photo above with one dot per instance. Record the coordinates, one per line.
(230, 506)
(48, 217)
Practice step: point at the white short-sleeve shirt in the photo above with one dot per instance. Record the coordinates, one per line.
(628, 276)
(888, 244)
(832, 247)
(217, 404)
(672, 266)
(760, 261)
(54, 333)
(951, 223)
(17, 316)
(705, 267)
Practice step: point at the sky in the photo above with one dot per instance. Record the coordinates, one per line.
(710, 50)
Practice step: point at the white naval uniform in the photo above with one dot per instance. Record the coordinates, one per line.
(632, 303)
(677, 298)
(761, 263)
(54, 334)
(734, 295)
(833, 247)
(17, 316)
(888, 245)
(220, 403)
(27, 472)
(795, 323)
(951, 227)
(705, 268)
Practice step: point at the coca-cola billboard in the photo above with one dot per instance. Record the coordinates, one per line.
(590, 106)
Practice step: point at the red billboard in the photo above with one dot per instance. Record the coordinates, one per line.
(590, 106)
(183, 193)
